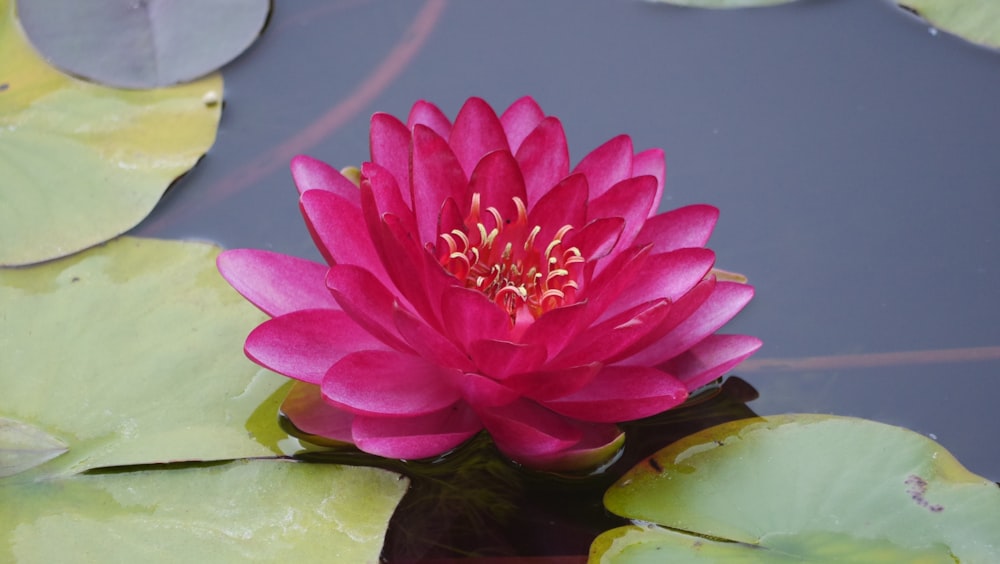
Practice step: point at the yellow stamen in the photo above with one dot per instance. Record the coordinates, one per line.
(527, 282)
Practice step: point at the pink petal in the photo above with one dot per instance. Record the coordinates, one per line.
(543, 158)
(398, 255)
(429, 343)
(422, 436)
(379, 382)
(427, 114)
(616, 336)
(312, 174)
(367, 301)
(617, 274)
(520, 119)
(622, 393)
(631, 199)
(305, 408)
(499, 359)
(726, 301)
(339, 230)
(665, 275)
(482, 392)
(437, 176)
(690, 226)
(646, 352)
(450, 218)
(597, 238)
(423, 280)
(477, 131)
(304, 344)
(599, 443)
(386, 194)
(498, 180)
(607, 165)
(710, 359)
(470, 316)
(651, 162)
(557, 327)
(276, 283)
(552, 384)
(389, 142)
(565, 204)
(524, 428)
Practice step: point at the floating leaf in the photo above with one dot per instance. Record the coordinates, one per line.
(242, 511)
(81, 163)
(721, 4)
(654, 544)
(132, 353)
(977, 21)
(142, 44)
(803, 488)
(23, 446)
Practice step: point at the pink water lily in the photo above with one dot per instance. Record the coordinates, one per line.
(474, 280)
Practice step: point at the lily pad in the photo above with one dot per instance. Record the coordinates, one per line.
(131, 353)
(800, 488)
(82, 163)
(142, 44)
(24, 446)
(242, 511)
(723, 4)
(977, 21)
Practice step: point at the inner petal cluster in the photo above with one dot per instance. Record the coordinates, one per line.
(504, 260)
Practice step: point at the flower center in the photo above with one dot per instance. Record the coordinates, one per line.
(505, 261)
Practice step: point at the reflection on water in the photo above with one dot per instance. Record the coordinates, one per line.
(473, 502)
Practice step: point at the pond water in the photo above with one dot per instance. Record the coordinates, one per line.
(852, 150)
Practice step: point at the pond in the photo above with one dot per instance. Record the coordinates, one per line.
(852, 150)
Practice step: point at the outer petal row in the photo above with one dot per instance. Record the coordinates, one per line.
(726, 301)
(312, 174)
(389, 383)
(414, 437)
(711, 358)
(276, 283)
(304, 344)
(623, 393)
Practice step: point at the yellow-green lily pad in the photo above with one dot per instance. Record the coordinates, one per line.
(131, 353)
(977, 21)
(82, 163)
(241, 511)
(803, 488)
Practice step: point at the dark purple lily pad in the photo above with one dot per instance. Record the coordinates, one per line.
(142, 43)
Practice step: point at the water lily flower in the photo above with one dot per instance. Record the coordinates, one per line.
(473, 280)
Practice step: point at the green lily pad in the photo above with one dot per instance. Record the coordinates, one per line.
(723, 4)
(24, 446)
(242, 511)
(798, 488)
(142, 44)
(977, 21)
(82, 163)
(131, 353)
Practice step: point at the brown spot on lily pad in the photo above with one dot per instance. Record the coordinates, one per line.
(917, 488)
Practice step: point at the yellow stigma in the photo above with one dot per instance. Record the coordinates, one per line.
(502, 258)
